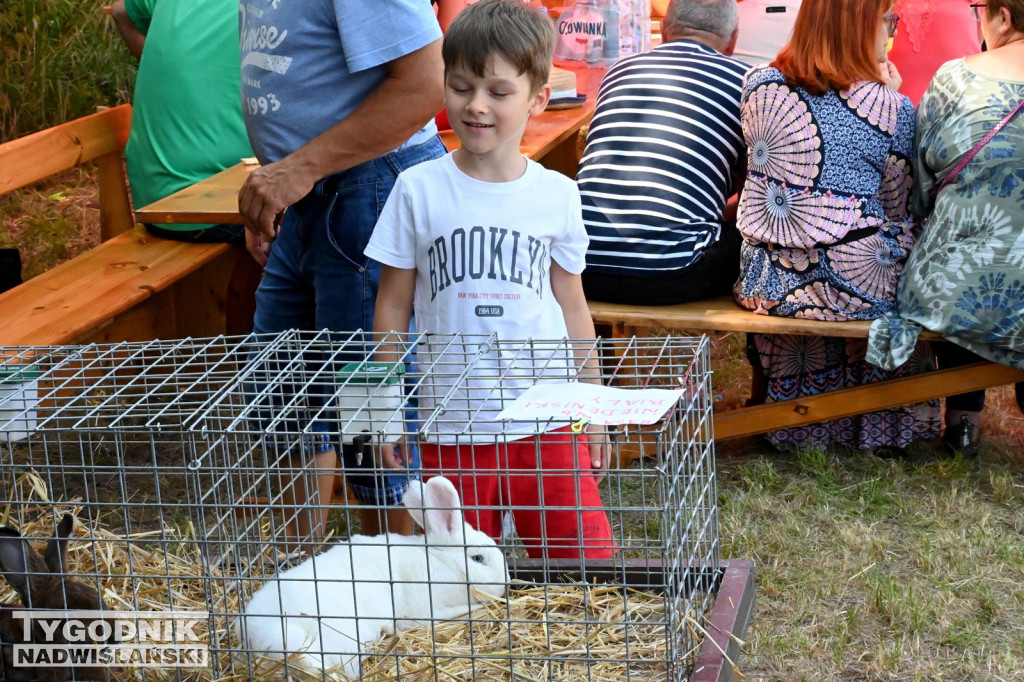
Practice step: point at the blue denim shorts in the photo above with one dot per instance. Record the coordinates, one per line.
(318, 278)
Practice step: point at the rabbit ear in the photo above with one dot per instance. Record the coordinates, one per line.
(14, 562)
(444, 511)
(413, 499)
(57, 549)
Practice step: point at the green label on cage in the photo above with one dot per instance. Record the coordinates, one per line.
(371, 373)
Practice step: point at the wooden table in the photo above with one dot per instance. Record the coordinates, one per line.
(213, 200)
(549, 138)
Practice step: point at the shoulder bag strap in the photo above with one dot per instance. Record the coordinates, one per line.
(977, 148)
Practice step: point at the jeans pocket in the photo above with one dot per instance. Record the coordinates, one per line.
(350, 217)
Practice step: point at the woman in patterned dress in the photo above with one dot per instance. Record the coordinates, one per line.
(824, 213)
(965, 278)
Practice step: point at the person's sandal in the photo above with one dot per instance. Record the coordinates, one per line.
(964, 438)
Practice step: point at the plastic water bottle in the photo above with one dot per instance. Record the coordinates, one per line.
(965, 433)
(627, 28)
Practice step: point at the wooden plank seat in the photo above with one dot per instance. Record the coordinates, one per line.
(723, 314)
(132, 286)
(720, 314)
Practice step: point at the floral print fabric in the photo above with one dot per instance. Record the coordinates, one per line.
(806, 365)
(825, 220)
(965, 278)
(824, 212)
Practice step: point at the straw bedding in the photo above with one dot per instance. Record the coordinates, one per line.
(569, 631)
(558, 631)
(152, 570)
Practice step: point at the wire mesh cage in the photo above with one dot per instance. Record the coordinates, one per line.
(88, 467)
(218, 460)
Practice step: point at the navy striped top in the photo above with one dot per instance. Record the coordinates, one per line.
(660, 159)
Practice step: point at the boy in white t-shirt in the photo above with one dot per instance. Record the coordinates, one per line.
(487, 243)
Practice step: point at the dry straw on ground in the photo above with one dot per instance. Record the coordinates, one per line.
(156, 570)
(138, 571)
(570, 631)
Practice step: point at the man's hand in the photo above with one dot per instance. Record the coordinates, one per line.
(890, 75)
(258, 247)
(600, 450)
(267, 192)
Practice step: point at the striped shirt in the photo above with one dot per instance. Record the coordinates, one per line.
(660, 159)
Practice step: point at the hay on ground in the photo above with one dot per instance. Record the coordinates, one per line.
(571, 631)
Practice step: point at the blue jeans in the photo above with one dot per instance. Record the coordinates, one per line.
(318, 278)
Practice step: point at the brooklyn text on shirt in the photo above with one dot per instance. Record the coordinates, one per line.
(492, 253)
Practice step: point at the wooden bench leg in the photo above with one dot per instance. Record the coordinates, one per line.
(562, 158)
(636, 442)
(623, 366)
(154, 318)
(219, 298)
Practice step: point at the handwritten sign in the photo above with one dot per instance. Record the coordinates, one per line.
(598, 404)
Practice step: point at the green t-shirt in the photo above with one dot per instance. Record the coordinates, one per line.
(187, 115)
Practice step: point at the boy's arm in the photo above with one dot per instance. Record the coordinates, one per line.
(568, 291)
(392, 314)
(393, 311)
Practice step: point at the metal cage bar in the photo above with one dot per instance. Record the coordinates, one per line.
(186, 463)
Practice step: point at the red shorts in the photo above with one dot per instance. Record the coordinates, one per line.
(545, 481)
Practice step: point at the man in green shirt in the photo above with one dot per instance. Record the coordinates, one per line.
(187, 119)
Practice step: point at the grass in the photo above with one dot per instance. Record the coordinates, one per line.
(879, 569)
(59, 59)
(51, 221)
(875, 569)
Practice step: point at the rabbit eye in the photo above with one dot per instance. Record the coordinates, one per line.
(479, 558)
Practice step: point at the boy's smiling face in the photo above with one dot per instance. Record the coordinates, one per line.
(489, 114)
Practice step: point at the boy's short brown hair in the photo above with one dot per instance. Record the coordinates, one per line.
(521, 35)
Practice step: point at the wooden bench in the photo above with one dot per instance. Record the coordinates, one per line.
(133, 285)
(723, 314)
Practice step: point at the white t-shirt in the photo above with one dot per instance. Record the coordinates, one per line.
(765, 26)
(482, 252)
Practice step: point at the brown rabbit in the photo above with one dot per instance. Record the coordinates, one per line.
(39, 583)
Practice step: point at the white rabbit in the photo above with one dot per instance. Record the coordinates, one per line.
(331, 605)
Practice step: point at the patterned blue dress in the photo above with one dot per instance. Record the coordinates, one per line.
(965, 278)
(825, 220)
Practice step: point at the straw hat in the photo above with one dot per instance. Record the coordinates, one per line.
(563, 89)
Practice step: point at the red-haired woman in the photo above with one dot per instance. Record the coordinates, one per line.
(824, 212)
